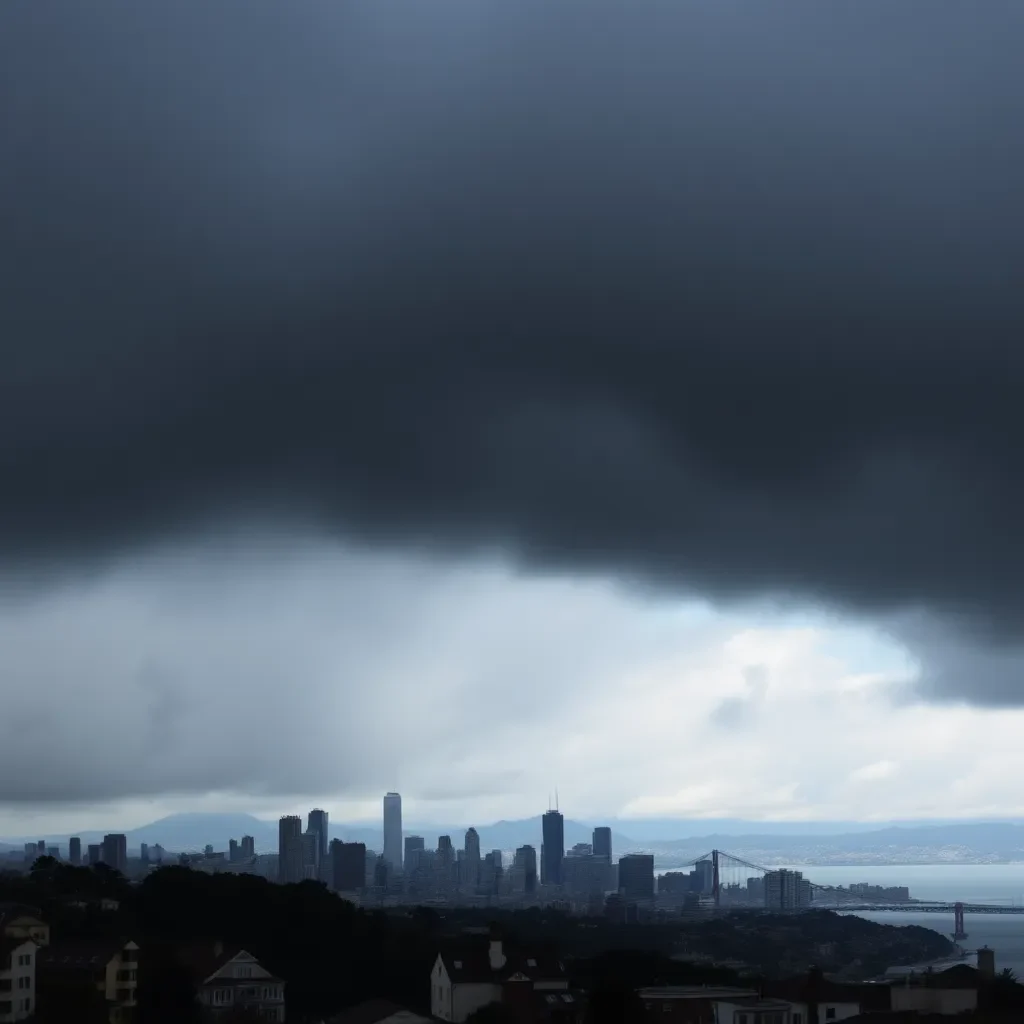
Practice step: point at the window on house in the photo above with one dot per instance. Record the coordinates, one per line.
(797, 1019)
(830, 1013)
(458, 967)
(24, 982)
(27, 1005)
(742, 1019)
(5, 1007)
(531, 962)
(25, 959)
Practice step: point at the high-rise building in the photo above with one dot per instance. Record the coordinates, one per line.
(393, 830)
(95, 853)
(41, 847)
(232, 850)
(158, 854)
(74, 850)
(289, 849)
(636, 876)
(602, 842)
(526, 859)
(472, 858)
(414, 846)
(348, 866)
(144, 852)
(53, 851)
(248, 847)
(317, 822)
(553, 850)
(786, 890)
(310, 854)
(115, 851)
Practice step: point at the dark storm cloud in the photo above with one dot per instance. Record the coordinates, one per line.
(717, 294)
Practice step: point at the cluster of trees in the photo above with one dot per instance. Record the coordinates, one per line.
(333, 955)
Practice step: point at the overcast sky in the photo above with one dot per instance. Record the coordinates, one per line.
(474, 397)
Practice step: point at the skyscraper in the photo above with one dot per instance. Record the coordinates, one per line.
(232, 851)
(289, 849)
(144, 853)
(414, 846)
(553, 850)
(472, 858)
(603, 842)
(317, 822)
(95, 853)
(393, 830)
(248, 847)
(526, 859)
(74, 850)
(115, 851)
(348, 866)
(636, 876)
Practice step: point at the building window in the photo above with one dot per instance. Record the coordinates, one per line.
(797, 1018)
(830, 1013)
(24, 982)
(27, 1005)
(25, 960)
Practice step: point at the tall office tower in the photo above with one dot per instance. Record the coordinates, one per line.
(705, 876)
(414, 846)
(248, 847)
(144, 852)
(95, 853)
(498, 858)
(786, 890)
(232, 851)
(445, 861)
(31, 853)
(41, 847)
(53, 851)
(526, 858)
(348, 866)
(602, 842)
(310, 855)
(317, 822)
(553, 830)
(393, 830)
(636, 876)
(472, 858)
(158, 854)
(115, 851)
(289, 849)
(74, 850)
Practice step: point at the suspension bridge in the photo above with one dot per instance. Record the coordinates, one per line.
(729, 882)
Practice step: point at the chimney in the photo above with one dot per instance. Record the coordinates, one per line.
(495, 955)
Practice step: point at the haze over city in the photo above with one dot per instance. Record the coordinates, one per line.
(477, 399)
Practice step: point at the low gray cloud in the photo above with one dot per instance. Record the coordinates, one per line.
(308, 670)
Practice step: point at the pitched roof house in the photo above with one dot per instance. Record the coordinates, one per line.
(467, 977)
(230, 978)
(18, 921)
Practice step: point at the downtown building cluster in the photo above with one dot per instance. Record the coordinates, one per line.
(446, 872)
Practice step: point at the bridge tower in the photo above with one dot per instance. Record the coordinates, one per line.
(715, 880)
(959, 933)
